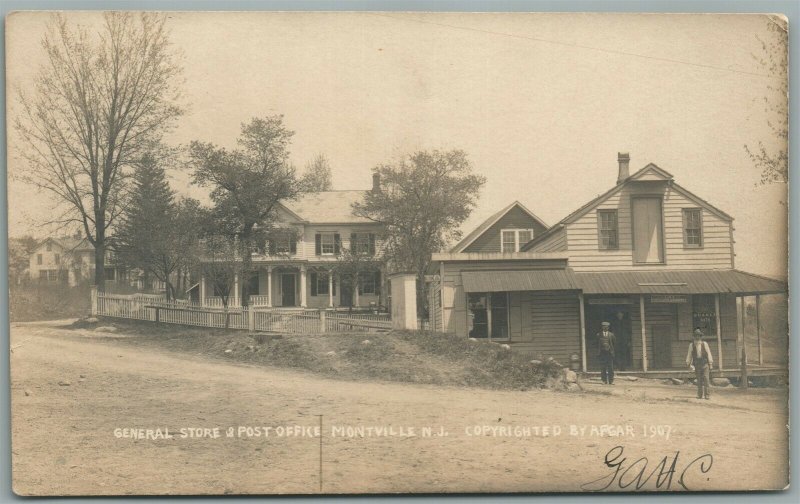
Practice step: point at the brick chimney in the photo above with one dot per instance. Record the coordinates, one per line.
(624, 160)
(376, 182)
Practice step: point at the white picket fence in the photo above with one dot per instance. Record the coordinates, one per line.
(254, 319)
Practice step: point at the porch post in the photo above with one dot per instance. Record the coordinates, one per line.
(269, 286)
(303, 286)
(644, 332)
(330, 289)
(719, 330)
(744, 332)
(758, 330)
(583, 331)
(202, 290)
(355, 294)
(236, 289)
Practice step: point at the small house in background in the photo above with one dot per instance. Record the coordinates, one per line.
(301, 271)
(506, 231)
(69, 260)
(649, 256)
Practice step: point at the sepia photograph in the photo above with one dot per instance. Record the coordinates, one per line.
(298, 253)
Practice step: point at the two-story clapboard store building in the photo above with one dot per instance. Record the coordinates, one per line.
(300, 272)
(647, 255)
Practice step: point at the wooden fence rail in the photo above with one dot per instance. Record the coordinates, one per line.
(254, 319)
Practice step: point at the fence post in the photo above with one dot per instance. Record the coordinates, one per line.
(94, 300)
(251, 319)
(322, 321)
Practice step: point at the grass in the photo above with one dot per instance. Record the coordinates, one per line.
(402, 356)
(47, 302)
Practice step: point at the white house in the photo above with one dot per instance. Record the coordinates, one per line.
(68, 260)
(299, 273)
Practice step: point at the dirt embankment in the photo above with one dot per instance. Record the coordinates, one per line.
(411, 357)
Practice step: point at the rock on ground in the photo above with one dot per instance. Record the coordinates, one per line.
(676, 381)
(720, 382)
(92, 320)
(105, 329)
(570, 376)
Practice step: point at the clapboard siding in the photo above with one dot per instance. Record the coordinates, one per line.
(516, 218)
(550, 324)
(557, 242)
(582, 235)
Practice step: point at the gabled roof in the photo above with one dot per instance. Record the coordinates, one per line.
(326, 207)
(649, 172)
(69, 243)
(478, 231)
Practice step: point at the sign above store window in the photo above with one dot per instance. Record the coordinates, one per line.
(669, 298)
(609, 301)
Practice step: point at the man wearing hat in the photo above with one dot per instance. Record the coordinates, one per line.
(700, 360)
(606, 341)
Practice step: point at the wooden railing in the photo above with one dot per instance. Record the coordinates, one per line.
(254, 318)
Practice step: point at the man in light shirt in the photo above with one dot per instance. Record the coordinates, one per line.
(700, 360)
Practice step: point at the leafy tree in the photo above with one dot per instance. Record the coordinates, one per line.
(247, 184)
(19, 254)
(102, 99)
(422, 202)
(220, 265)
(317, 176)
(774, 59)
(352, 263)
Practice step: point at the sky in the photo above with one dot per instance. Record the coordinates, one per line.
(541, 103)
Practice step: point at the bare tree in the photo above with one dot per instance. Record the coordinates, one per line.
(101, 100)
(774, 58)
(317, 176)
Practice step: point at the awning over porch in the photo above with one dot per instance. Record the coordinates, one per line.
(677, 282)
(519, 280)
(622, 282)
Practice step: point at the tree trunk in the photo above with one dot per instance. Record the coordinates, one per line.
(100, 260)
(247, 265)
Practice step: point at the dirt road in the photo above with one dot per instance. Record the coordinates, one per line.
(64, 442)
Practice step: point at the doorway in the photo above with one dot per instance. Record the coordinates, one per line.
(619, 315)
(288, 289)
(662, 346)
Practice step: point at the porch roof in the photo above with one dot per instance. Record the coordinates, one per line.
(519, 280)
(623, 282)
(678, 282)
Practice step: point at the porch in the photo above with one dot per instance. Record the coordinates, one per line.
(297, 286)
(558, 314)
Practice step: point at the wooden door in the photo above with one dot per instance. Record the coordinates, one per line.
(662, 346)
(287, 289)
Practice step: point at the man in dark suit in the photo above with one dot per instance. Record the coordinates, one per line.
(605, 344)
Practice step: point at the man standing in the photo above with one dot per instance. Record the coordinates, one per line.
(606, 341)
(700, 360)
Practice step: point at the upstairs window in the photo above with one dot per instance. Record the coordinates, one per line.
(57, 258)
(363, 243)
(692, 227)
(511, 240)
(39, 259)
(49, 246)
(607, 228)
(327, 243)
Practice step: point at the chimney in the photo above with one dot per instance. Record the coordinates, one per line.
(624, 160)
(376, 182)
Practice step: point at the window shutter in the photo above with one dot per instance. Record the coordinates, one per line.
(318, 244)
(360, 284)
(313, 283)
(685, 236)
(337, 243)
(272, 248)
(353, 239)
(334, 284)
(293, 245)
(372, 244)
(377, 281)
